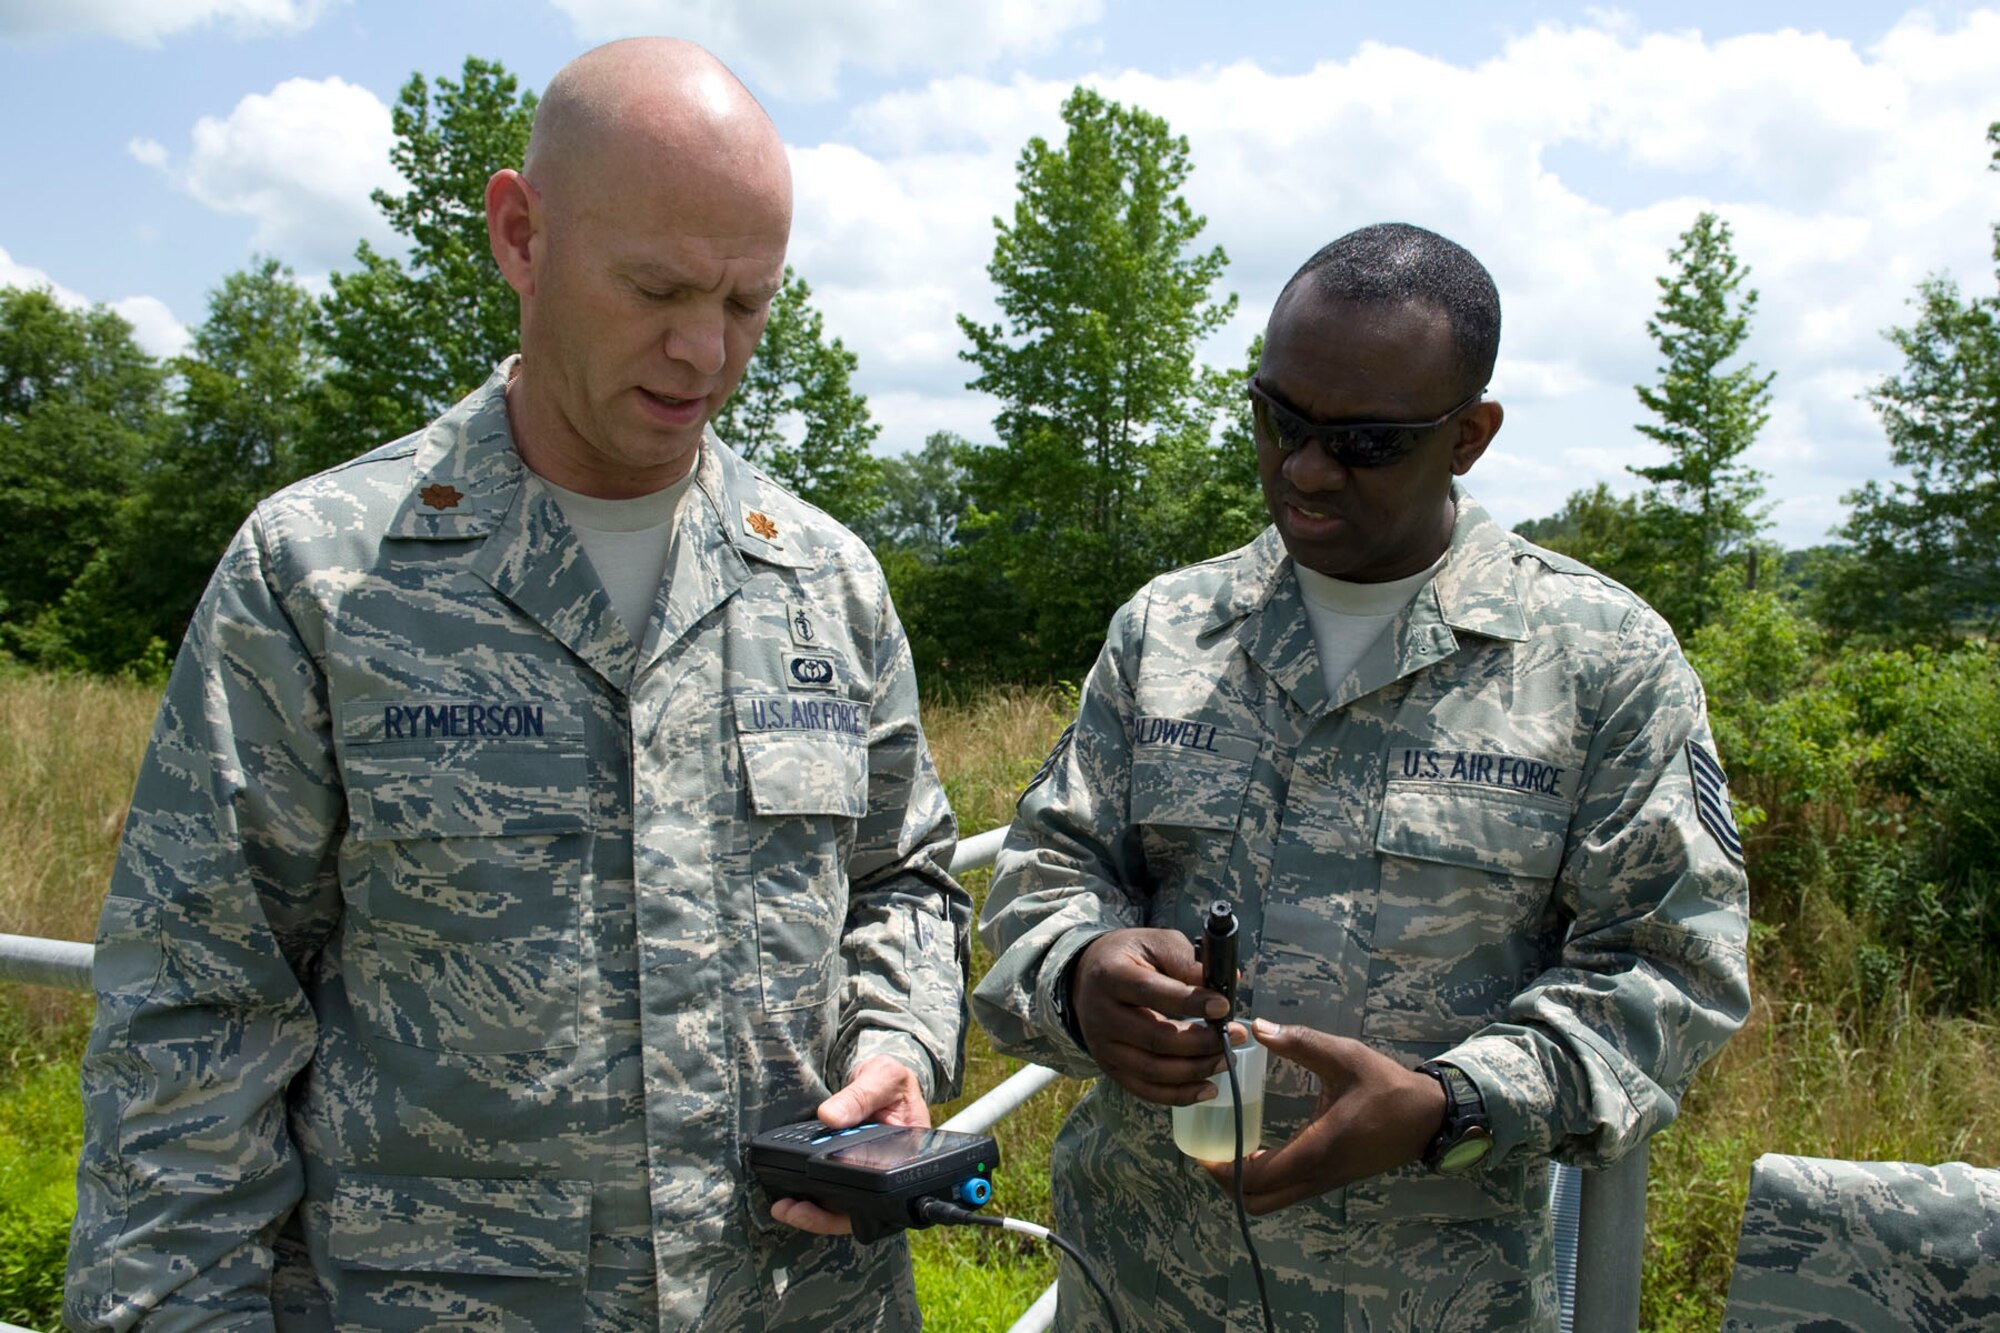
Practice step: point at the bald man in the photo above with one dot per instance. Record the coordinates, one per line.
(538, 810)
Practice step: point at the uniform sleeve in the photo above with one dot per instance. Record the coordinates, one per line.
(1071, 869)
(224, 890)
(906, 944)
(1593, 1056)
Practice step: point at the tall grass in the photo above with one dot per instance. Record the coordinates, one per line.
(1823, 1068)
(68, 750)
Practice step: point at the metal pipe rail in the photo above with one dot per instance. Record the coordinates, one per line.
(1609, 1207)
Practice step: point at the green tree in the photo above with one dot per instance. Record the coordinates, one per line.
(249, 392)
(1702, 506)
(1922, 558)
(1204, 499)
(796, 414)
(410, 337)
(1105, 304)
(921, 499)
(80, 407)
(1610, 533)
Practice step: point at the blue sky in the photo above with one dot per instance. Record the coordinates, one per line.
(154, 146)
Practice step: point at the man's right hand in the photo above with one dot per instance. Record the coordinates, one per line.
(1132, 992)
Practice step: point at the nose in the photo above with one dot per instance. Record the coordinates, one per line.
(1311, 469)
(696, 338)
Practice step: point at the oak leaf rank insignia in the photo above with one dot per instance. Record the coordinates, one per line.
(757, 522)
(440, 496)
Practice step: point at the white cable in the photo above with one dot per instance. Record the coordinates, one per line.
(1026, 1228)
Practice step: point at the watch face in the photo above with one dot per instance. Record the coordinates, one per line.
(1465, 1154)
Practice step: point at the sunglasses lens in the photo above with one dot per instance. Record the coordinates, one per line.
(1274, 427)
(1374, 446)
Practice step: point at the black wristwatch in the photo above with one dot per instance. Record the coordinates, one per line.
(1466, 1136)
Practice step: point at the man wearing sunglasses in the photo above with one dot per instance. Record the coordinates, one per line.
(1463, 796)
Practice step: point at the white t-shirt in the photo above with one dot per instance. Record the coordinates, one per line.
(1348, 617)
(626, 542)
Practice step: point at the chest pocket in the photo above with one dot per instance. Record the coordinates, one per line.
(1188, 781)
(1464, 916)
(806, 788)
(462, 868)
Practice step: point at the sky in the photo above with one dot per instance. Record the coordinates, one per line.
(152, 147)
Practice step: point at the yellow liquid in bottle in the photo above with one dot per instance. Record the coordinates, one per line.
(1206, 1131)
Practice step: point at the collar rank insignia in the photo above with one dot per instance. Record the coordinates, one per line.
(440, 496)
(760, 525)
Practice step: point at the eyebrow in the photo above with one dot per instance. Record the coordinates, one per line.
(652, 273)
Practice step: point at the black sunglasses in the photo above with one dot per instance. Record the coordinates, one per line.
(1351, 443)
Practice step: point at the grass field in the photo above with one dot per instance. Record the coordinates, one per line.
(1881, 1082)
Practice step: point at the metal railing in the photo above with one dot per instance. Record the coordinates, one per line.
(1601, 1216)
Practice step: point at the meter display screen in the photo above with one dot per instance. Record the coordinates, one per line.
(893, 1150)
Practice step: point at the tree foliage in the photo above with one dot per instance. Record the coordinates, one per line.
(1105, 303)
(1923, 556)
(248, 401)
(409, 337)
(796, 413)
(1702, 504)
(80, 410)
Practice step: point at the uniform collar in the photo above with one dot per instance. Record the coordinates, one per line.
(1474, 593)
(466, 471)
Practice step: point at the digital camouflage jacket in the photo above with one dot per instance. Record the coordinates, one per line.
(458, 944)
(1505, 841)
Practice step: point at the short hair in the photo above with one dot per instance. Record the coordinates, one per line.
(1394, 262)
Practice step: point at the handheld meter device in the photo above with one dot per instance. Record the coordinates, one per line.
(875, 1173)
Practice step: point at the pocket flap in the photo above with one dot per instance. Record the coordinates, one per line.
(1184, 790)
(457, 782)
(804, 757)
(1479, 830)
(443, 1224)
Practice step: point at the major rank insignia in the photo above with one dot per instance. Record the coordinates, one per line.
(440, 496)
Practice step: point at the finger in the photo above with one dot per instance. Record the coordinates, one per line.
(1145, 988)
(1307, 1047)
(805, 1215)
(1163, 1094)
(1299, 1168)
(882, 1089)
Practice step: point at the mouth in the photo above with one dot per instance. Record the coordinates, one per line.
(673, 409)
(1312, 522)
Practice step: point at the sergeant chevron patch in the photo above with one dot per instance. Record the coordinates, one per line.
(1711, 800)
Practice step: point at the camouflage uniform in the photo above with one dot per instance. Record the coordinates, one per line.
(1522, 752)
(458, 944)
(1866, 1247)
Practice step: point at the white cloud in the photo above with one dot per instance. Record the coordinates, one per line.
(146, 22)
(147, 152)
(300, 160)
(798, 48)
(153, 325)
(1569, 161)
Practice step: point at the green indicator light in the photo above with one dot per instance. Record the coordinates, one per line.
(981, 1166)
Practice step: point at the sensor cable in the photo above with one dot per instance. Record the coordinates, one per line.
(950, 1214)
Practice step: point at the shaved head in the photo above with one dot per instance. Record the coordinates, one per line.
(655, 98)
(645, 234)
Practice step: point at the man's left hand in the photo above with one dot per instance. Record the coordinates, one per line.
(1373, 1116)
(882, 1089)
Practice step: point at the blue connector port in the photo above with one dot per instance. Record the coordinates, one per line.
(974, 1191)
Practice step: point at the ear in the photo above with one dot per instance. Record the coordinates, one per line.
(513, 226)
(1476, 430)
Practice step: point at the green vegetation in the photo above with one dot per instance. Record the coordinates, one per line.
(1868, 784)
(1854, 691)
